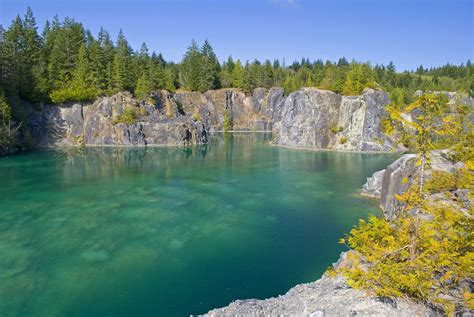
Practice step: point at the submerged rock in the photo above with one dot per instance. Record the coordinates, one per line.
(95, 255)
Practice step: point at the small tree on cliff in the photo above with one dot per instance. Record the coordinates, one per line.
(409, 256)
(423, 125)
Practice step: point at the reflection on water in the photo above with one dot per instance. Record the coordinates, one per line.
(166, 231)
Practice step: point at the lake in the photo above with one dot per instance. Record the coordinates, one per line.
(167, 231)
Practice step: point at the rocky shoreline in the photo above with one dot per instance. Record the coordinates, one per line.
(330, 296)
(327, 297)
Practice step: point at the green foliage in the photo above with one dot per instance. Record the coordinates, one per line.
(429, 126)
(67, 63)
(335, 129)
(80, 87)
(170, 108)
(129, 115)
(429, 257)
(190, 69)
(359, 76)
(343, 140)
(210, 68)
(8, 131)
(445, 181)
(143, 87)
(227, 121)
(444, 257)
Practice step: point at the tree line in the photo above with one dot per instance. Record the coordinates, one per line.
(66, 62)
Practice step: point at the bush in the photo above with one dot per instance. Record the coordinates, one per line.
(418, 258)
(343, 140)
(72, 94)
(445, 181)
(335, 129)
(227, 122)
(197, 115)
(128, 116)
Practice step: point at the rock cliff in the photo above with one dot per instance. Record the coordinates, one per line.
(99, 123)
(308, 118)
(258, 112)
(399, 175)
(320, 119)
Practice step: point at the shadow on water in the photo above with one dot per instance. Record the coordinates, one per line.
(168, 231)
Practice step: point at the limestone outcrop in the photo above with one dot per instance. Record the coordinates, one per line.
(398, 176)
(99, 123)
(258, 112)
(307, 118)
(320, 119)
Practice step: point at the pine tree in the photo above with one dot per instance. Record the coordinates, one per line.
(103, 61)
(122, 74)
(330, 77)
(210, 68)
(226, 72)
(358, 77)
(81, 87)
(143, 87)
(157, 73)
(238, 75)
(190, 70)
(32, 44)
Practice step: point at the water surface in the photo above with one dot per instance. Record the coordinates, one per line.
(171, 231)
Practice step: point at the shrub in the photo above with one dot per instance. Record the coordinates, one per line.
(411, 257)
(445, 181)
(197, 115)
(335, 129)
(343, 140)
(128, 116)
(227, 122)
(73, 94)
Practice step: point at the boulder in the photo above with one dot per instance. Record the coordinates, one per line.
(373, 186)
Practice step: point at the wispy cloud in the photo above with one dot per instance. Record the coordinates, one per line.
(287, 3)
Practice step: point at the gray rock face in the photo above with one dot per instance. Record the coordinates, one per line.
(320, 119)
(373, 186)
(95, 124)
(258, 112)
(398, 176)
(308, 118)
(328, 297)
(396, 179)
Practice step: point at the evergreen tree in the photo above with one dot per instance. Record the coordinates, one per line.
(210, 68)
(122, 73)
(358, 77)
(32, 45)
(238, 75)
(226, 72)
(190, 70)
(143, 87)
(81, 87)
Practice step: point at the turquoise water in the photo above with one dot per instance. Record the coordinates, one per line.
(171, 231)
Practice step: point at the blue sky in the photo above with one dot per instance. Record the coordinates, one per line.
(408, 32)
